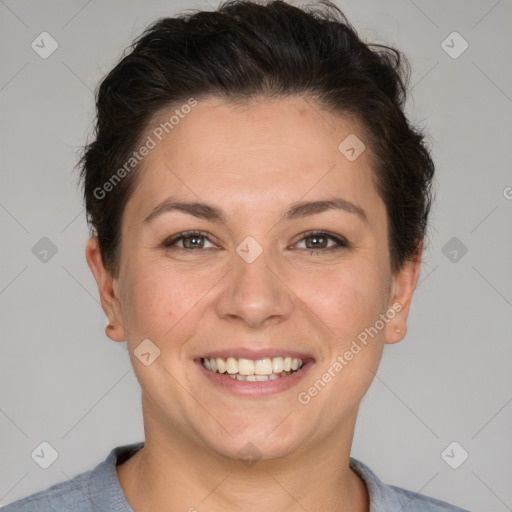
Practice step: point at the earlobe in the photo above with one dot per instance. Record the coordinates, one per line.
(394, 335)
(403, 285)
(105, 283)
(114, 331)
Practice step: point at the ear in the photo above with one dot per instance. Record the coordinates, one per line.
(403, 284)
(106, 287)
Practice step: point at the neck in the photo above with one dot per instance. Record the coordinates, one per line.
(175, 470)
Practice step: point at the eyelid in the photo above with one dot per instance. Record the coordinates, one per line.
(313, 232)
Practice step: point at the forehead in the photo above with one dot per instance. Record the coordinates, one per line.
(280, 150)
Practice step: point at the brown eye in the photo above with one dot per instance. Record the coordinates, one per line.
(320, 241)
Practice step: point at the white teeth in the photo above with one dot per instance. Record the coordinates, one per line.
(246, 367)
(231, 365)
(258, 370)
(221, 365)
(252, 378)
(263, 367)
(261, 378)
(277, 365)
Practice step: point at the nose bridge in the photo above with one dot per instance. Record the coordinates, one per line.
(254, 292)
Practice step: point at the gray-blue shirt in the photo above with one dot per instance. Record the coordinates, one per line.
(99, 490)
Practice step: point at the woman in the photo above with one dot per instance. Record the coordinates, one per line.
(258, 202)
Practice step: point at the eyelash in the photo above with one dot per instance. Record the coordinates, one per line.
(341, 243)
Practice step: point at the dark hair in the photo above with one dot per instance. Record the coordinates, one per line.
(245, 50)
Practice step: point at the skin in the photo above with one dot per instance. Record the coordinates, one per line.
(252, 161)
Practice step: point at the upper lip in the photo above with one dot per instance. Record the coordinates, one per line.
(249, 353)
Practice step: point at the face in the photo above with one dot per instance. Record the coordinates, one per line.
(288, 258)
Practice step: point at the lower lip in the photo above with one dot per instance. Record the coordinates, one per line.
(257, 388)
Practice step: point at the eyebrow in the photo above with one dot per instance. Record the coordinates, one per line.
(295, 211)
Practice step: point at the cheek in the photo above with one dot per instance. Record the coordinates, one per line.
(147, 300)
(159, 300)
(347, 300)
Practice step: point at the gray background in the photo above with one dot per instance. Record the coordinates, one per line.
(63, 381)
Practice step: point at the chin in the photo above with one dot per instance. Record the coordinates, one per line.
(271, 438)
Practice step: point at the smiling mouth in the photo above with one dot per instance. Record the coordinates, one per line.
(253, 370)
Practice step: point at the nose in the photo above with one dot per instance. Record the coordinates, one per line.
(255, 293)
